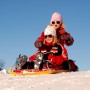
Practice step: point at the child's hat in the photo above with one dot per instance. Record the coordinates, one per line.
(56, 17)
(50, 30)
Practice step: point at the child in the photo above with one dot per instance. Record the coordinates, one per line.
(62, 35)
(64, 38)
(50, 47)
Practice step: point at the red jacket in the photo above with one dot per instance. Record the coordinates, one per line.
(59, 33)
(55, 57)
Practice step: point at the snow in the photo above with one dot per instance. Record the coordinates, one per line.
(61, 81)
(3, 71)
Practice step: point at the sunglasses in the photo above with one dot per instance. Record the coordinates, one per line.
(57, 22)
(50, 36)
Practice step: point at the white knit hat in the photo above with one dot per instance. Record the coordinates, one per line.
(50, 30)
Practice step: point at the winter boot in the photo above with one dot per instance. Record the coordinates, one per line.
(29, 65)
(21, 61)
(38, 62)
(72, 66)
(65, 65)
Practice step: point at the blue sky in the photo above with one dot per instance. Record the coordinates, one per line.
(22, 21)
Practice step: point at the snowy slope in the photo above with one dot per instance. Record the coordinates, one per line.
(62, 81)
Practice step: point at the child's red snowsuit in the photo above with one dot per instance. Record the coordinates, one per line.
(64, 55)
(61, 42)
(55, 58)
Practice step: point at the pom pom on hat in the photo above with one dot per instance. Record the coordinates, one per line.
(56, 17)
(50, 30)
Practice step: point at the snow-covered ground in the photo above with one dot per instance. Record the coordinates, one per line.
(62, 81)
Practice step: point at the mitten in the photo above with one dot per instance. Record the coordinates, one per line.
(64, 36)
(68, 39)
(38, 43)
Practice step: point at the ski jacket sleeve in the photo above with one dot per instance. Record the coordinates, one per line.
(56, 50)
(41, 38)
(56, 57)
(39, 42)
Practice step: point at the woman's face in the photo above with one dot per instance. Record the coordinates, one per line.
(56, 24)
(49, 38)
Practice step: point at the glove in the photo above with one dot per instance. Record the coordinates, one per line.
(69, 40)
(38, 43)
(64, 37)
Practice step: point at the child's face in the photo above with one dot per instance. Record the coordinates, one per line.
(49, 38)
(56, 24)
